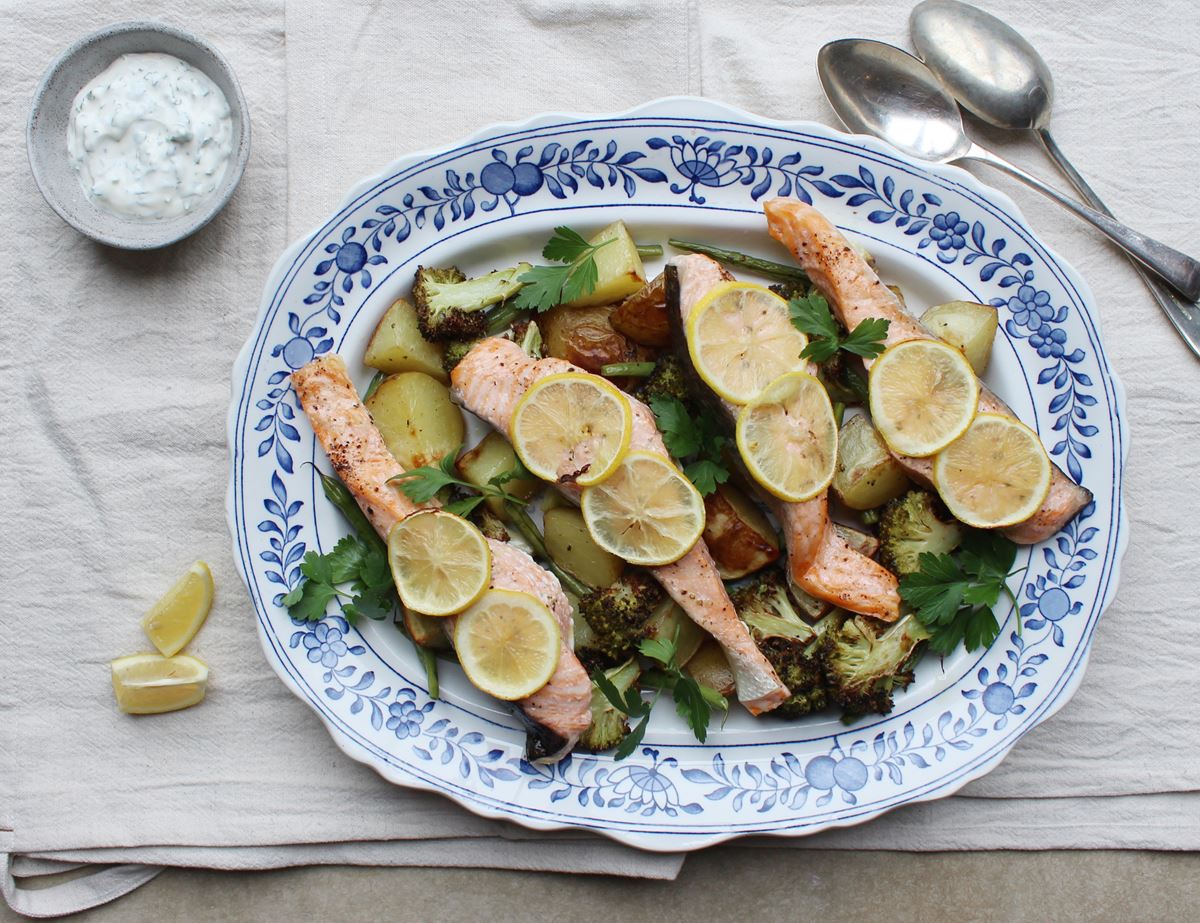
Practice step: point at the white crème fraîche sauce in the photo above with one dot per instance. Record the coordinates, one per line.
(151, 137)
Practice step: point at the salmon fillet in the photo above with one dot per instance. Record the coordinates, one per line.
(360, 457)
(819, 560)
(490, 380)
(855, 293)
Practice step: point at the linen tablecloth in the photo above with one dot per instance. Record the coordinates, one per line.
(116, 382)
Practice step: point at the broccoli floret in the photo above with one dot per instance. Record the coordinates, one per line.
(528, 336)
(865, 660)
(455, 352)
(912, 524)
(789, 643)
(667, 380)
(609, 727)
(788, 290)
(451, 307)
(618, 617)
(490, 524)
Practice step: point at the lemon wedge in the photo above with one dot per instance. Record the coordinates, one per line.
(923, 396)
(149, 684)
(572, 427)
(788, 438)
(741, 338)
(441, 563)
(508, 644)
(174, 620)
(996, 474)
(646, 512)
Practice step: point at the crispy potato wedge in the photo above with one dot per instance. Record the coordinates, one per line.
(573, 548)
(966, 325)
(670, 622)
(619, 267)
(492, 457)
(397, 345)
(738, 533)
(586, 338)
(417, 419)
(643, 315)
(867, 475)
(426, 630)
(710, 666)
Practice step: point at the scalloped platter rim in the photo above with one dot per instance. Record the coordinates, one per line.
(694, 165)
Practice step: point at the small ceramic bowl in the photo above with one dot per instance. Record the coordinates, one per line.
(46, 133)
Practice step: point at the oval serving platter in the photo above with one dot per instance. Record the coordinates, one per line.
(695, 169)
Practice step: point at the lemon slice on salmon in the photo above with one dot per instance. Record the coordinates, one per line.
(741, 338)
(174, 620)
(787, 436)
(441, 563)
(150, 684)
(996, 474)
(572, 427)
(646, 512)
(923, 396)
(508, 644)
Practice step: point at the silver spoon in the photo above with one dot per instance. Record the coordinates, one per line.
(881, 90)
(999, 77)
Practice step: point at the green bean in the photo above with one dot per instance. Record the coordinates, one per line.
(754, 263)
(627, 369)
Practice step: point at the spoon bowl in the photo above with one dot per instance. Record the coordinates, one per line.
(985, 64)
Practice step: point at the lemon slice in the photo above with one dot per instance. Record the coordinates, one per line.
(741, 339)
(787, 437)
(174, 620)
(149, 684)
(923, 396)
(508, 644)
(440, 562)
(647, 512)
(572, 427)
(996, 474)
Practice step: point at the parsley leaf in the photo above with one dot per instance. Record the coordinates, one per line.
(692, 437)
(547, 286)
(355, 570)
(694, 701)
(811, 315)
(953, 595)
(632, 706)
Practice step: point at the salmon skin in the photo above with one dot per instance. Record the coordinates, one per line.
(855, 293)
(490, 380)
(819, 560)
(561, 710)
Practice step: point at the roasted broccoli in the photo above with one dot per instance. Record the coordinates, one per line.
(455, 352)
(490, 524)
(528, 336)
(451, 307)
(618, 617)
(789, 289)
(914, 523)
(865, 660)
(609, 726)
(788, 642)
(667, 380)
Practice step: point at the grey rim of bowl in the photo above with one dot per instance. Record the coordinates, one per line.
(236, 168)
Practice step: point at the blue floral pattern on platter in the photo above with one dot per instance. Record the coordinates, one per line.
(675, 794)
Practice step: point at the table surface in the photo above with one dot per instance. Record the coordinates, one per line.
(825, 884)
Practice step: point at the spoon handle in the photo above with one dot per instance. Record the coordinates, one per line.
(1185, 318)
(1180, 270)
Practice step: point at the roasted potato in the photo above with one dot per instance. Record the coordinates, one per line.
(585, 337)
(419, 422)
(573, 548)
(426, 630)
(737, 533)
(492, 457)
(618, 265)
(643, 315)
(669, 622)
(710, 666)
(397, 345)
(862, 542)
(895, 290)
(866, 475)
(811, 607)
(967, 325)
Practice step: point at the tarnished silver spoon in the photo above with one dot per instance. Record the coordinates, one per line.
(996, 75)
(884, 91)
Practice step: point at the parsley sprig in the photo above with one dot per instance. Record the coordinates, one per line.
(695, 438)
(694, 701)
(952, 595)
(421, 485)
(356, 571)
(811, 315)
(547, 286)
